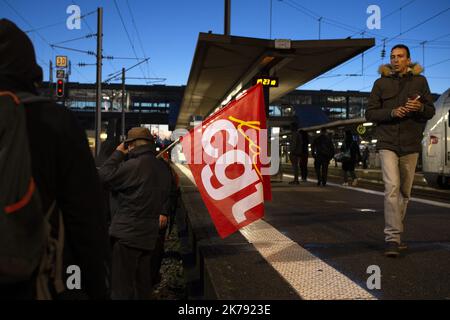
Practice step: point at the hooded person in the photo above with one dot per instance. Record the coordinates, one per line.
(64, 172)
(18, 68)
(400, 104)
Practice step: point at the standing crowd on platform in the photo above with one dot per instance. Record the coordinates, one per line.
(323, 151)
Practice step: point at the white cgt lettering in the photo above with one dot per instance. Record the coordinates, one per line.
(242, 206)
(230, 186)
(214, 128)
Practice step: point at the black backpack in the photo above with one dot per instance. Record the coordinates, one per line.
(26, 247)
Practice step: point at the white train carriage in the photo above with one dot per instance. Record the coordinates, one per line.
(436, 145)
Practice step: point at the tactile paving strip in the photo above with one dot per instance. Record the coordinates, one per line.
(311, 278)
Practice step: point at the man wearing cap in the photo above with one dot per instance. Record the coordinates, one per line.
(141, 184)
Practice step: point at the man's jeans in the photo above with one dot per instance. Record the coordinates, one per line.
(398, 177)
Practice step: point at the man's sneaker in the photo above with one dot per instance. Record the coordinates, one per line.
(355, 182)
(345, 184)
(402, 246)
(294, 182)
(391, 249)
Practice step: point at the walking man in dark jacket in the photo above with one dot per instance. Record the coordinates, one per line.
(63, 170)
(304, 138)
(400, 104)
(365, 157)
(348, 165)
(142, 187)
(323, 151)
(299, 153)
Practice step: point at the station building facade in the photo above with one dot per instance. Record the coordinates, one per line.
(157, 107)
(306, 107)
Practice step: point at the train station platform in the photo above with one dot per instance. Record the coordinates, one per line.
(372, 175)
(373, 179)
(315, 243)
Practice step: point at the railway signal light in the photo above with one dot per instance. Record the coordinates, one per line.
(60, 88)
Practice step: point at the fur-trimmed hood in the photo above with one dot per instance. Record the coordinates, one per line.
(386, 70)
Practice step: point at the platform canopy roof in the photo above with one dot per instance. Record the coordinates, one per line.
(223, 65)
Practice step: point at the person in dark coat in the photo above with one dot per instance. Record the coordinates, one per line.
(365, 157)
(63, 169)
(348, 165)
(299, 153)
(400, 104)
(304, 138)
(323, 151)
(165, 231)
(295, 151)
(142, 185)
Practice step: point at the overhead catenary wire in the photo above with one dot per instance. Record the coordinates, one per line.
(440, 37)
(91, 53)
(158, 79)
(437, 63)
(127, 33)
(122, 58)
(315, 16)
(114, 75)
(58, 23)
(45, 27)
(92, 31)
(425, 67)
(138, 37)
(435, 40)
(398, 9)
(90, 35)
(415, 26)
(392, 12)
(390, 39)
(421, 23)
(347, 27)
(38, 33)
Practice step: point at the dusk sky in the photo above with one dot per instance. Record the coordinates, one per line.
(166, 31)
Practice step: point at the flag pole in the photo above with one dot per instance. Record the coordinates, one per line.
(168, 147)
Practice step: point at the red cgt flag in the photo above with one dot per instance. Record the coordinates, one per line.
(224, 154)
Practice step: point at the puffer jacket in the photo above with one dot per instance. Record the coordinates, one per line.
(401, 135)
